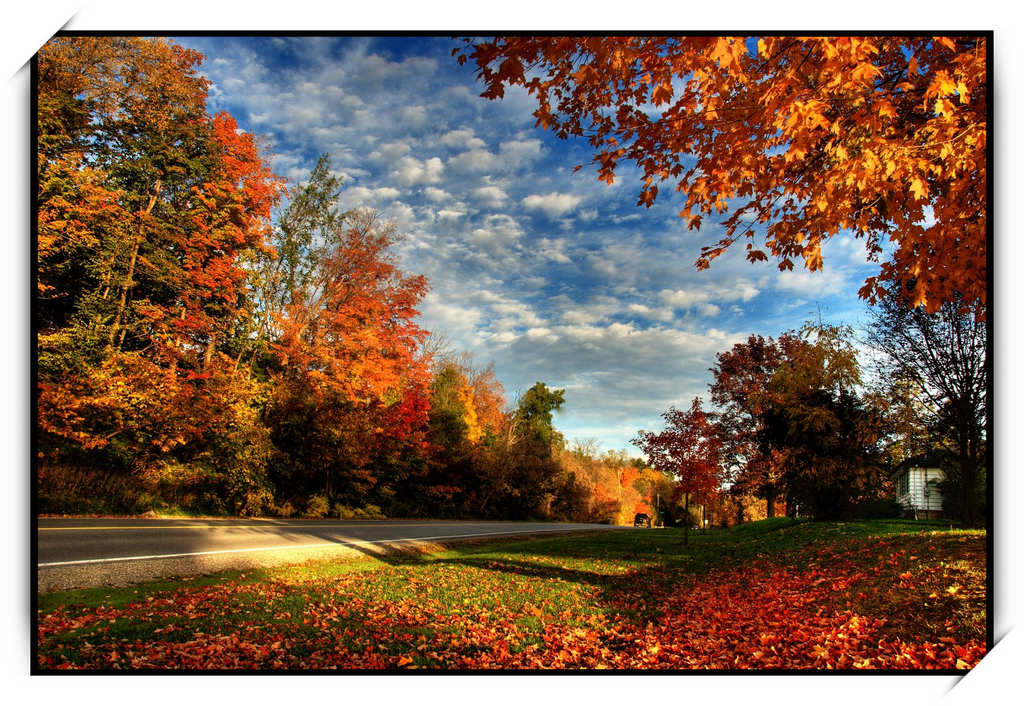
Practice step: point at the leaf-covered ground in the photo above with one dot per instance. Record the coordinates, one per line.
(771, 595)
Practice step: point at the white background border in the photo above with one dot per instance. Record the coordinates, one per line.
(28, 25)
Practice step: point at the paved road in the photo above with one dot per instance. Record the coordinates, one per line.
(84, 552)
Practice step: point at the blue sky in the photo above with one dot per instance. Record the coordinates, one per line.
(550, 274)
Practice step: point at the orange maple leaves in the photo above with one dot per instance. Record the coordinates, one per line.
(796, 138)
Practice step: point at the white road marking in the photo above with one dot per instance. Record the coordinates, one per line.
(292, 546)
(215, 526)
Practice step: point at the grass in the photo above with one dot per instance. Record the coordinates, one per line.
(777, 594)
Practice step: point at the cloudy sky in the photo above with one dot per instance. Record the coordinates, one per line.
(552, 275)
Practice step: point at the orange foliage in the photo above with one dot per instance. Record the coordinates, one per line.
(488, 398)
(353, 330)
(884, 137)
(627, 476)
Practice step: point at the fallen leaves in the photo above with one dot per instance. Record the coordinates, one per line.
(836, 605)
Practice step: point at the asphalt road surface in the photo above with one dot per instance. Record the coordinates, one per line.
(75, 552)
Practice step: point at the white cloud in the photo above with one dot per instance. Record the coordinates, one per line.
(659, 313)
(386, 192)
(809, 284)
(541, 334)
(453, 319)
(684, 299)
(520, 151)
(502, 337)
(493, 196)
(739, 289)
(414, 115)
(499, 231)
(402, 214)
(603, 266)
(507, 313)
(357, 196)
(703, 299)
(412, 171)
(391, 152)
(436, 195)
(554, 204)
(475, 160)
(450, 214)
(462, 138)
(553, 250)
(374, 69)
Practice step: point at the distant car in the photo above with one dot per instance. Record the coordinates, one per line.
(642, 519)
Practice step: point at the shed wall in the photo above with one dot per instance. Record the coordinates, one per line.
(918, 480)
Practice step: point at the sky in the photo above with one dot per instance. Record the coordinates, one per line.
(548, 273)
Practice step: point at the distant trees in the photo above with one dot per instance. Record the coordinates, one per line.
(790, 421)
(616, 485)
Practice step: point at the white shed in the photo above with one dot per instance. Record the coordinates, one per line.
(917, 487)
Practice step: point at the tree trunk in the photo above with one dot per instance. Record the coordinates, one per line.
(686, 519)
(122, 301)
(210, 347)
(770, 496)
(126, 287)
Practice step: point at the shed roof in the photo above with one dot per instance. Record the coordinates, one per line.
(925, 460)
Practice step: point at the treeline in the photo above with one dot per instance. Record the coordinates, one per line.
(797, 422)
(211, 341)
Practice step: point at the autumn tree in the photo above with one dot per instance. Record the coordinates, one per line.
(792, 139)
(740, 378)
(450, 477)
(147, 205)
(146, 201)
(340, 319)
(934, 368)
(689, 448)
(823, 433)
(521, 473)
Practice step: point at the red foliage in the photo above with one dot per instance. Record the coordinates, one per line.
(689, 448)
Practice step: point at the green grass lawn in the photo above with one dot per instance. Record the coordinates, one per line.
(777, 594)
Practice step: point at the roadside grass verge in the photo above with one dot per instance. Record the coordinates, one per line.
(778, 594)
